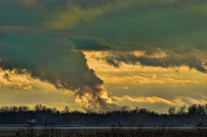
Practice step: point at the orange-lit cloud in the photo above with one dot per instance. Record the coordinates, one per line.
(14, 80)
(173, 86)
(88, 102)
(143, 100)
(155, 103)
(128, 73)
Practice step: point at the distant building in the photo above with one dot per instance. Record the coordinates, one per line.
(31, 121)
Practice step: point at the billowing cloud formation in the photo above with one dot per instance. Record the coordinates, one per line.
(37, 35)
(52, 59)
(26, 43)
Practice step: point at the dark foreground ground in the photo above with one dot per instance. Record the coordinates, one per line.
(105, 132)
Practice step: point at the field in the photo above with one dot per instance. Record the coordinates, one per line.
(102, 132)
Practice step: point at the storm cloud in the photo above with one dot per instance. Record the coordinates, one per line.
(53, 59)
(46, 38)
(26, 43)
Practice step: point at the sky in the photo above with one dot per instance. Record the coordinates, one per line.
(101, 55)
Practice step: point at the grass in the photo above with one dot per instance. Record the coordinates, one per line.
(114, 132)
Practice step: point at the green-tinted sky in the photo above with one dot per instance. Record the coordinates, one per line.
(100, 54)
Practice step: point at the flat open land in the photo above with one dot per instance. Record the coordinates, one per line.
(101, 132)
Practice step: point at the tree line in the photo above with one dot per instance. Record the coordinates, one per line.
(194, 115)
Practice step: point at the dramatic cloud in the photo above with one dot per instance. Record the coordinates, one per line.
(191, 60)
(53, 59)
(46, 38)
(144, 25)
(27, 44)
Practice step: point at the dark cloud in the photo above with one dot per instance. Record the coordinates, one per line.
(190, 60)
(88, 44)
(52, 59)
(145, 25)
(112, 61)
(34, 35)
(27, 43)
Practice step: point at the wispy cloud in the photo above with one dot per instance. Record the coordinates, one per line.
(155, 103)
(143, 100)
